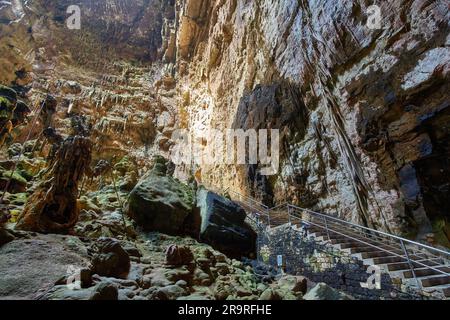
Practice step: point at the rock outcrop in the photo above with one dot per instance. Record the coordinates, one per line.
(178, 256)
(53, 207)
(366, 141)
(223, 225)
(110, 259)
(361, 110)
(29, 267)
(160, 202)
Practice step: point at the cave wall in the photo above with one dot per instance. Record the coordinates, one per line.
(104, 71)
(363, 113)
(372, 131)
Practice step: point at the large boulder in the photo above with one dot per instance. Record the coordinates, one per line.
(322, 291)
(111, 260)
(5, 235)
(223, 225)
(159, 202)
(105, 291)
(29, 267)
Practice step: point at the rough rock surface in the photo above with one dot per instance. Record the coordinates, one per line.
(29, 267)
(160, 202)
(53, 207)
(368, 143)
(363, 116)
(111, 260)
(223, 225)
(54, 267)
(178, 256)
(362, 110)
(324, 292)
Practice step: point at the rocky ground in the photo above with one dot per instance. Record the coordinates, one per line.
(117, 248)
(69, 268)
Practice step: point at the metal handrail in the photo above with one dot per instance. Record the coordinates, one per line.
(406, 258)
(248, 198)
(412, 261)
(256, 209)
(279, 206)
(373, 230)
(344, 222)
(379, 240)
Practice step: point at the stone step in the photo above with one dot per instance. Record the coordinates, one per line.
(445, 289)
(391, 259)
(358, 244)
(421, 272)
(405, 266)
(368, 249)
(349, 245)
(377, 254)
(337, 239)
(438, 280)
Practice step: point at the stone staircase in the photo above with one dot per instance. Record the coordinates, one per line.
(390, 258)
(416, 265)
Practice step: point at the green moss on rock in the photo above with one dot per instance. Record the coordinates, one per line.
(160, 202)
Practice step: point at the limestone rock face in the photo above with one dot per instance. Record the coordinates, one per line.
(223, 225)
(160, 202)
(362, 111)
(368, 140)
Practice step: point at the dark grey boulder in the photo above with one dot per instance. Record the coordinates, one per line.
(105, 291)
(223, 225)
(110, 260)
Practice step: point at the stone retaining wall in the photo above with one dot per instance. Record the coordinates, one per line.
(320, 262)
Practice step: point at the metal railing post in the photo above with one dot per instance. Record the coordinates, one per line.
(411, 265)
(380, 240)
(326, 227)
(289, 213)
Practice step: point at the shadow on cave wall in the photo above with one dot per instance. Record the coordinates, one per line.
(273, 106)
(433, 173)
